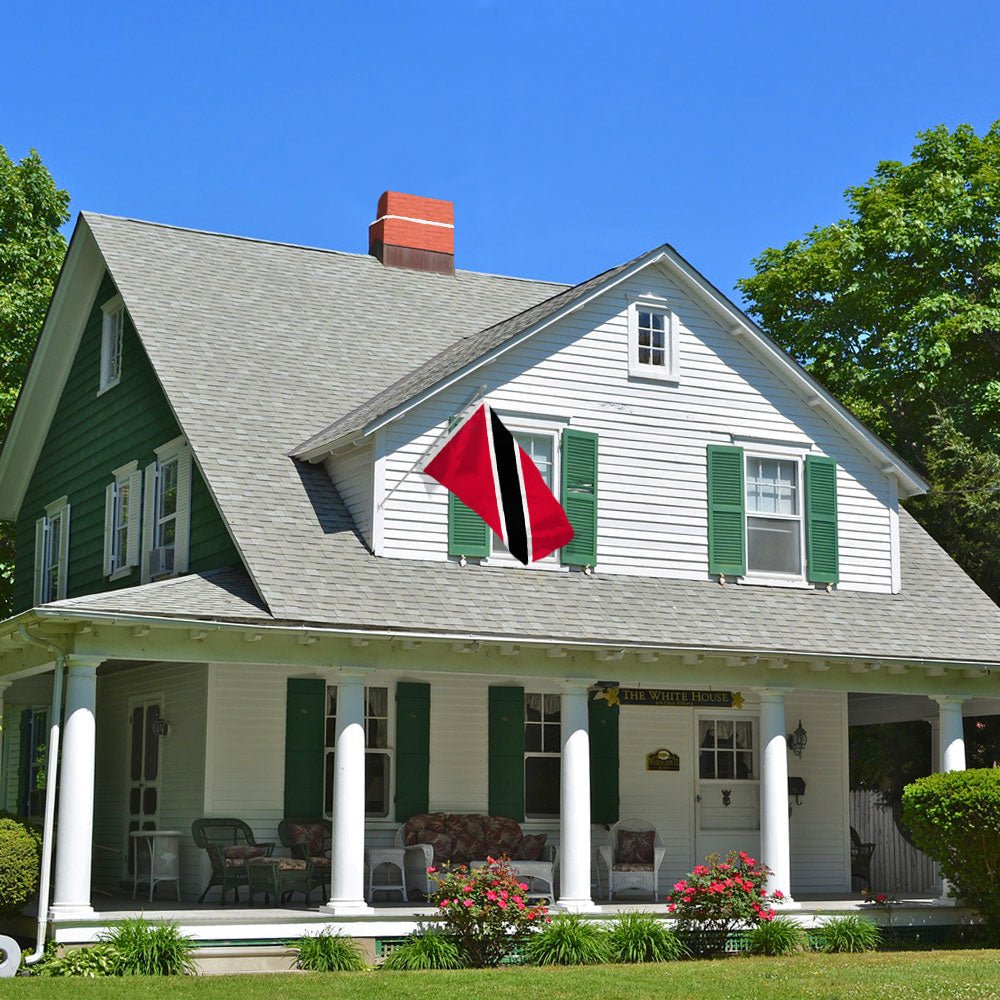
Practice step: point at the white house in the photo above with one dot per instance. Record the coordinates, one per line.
(265, 610)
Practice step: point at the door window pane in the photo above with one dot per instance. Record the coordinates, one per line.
(726, 749)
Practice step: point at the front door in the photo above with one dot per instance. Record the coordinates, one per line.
(728, 787)
(144, 771)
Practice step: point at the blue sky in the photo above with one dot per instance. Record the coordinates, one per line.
(570, 136)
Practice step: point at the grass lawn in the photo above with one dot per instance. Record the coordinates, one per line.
(956, 975)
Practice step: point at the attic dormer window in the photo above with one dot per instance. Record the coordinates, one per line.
(112, 335)
(652, 340)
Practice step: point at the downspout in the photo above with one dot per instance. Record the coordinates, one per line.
(51, 773)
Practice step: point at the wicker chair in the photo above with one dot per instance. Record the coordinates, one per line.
(230, 844)
(631, 874)
(309, 840)
(861, 859)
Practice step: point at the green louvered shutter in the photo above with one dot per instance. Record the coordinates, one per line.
(305, 746)
(727, 553)
(413, 749)
(24, 763)
(822, 563)
(579, 496)
(468, 533)
(603, 727)
(506, 752)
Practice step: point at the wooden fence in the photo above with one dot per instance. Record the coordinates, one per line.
(897, 866)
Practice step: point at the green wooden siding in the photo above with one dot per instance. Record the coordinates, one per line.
(91, 435)
(506, 752)
(579, 496)
(603, 731)
(727, 552)
(305, 740)
(413, 749)
(822, 563)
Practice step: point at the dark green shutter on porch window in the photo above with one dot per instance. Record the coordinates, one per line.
(24, 764)
(603, 725)
(822, 563)
(726, 511)
(579, 496)
(413, 749)
(506, 752)
(468, 533)
(305, 742)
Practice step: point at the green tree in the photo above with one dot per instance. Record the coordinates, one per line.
(896, 310)
(32, 248)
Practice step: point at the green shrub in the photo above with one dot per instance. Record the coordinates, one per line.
(954, 817)
(20, 864)
(329, 953)
(851, 933)
(97, 960)
(780, 936)
(641, 937)
(568, 940)
(429, 949)
(147, 948)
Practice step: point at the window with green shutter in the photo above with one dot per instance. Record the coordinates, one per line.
(413, 749)
(603, 727)
(579, 496)
(506, 752)
(305, 708)
(726, 511)
(822, 560)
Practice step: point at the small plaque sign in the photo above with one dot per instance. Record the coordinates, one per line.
(662, 760)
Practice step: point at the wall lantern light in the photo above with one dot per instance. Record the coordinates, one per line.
(797, 740)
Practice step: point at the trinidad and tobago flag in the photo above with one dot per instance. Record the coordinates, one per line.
(490, 472)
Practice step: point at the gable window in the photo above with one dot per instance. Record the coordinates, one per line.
(774, 516)
(167, 512)
(378, 755)
(52, 552)
(652, 340)
(112, 335)
(542, 757)
(122, 504)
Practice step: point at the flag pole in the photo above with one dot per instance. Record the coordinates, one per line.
(448, 427)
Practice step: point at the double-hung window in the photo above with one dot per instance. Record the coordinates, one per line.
(166, 513)
(378, 753)
(122, 506)
(542, 758)
(112, 337)
(652, 340)
(774, 516)
(540, 447)
(52, 552)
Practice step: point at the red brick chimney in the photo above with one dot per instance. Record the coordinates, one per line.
(414, 232)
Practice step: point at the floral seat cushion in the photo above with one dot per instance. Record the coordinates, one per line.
(628, 867)
(635, 847)
(237, 857)
(284, 864)
(312, 836)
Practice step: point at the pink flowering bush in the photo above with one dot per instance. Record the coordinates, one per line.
(719, 896)
(485, 910)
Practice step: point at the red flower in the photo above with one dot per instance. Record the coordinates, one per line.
(778, 894)
(431, 869)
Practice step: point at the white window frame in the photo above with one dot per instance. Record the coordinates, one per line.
(47, 560)
(546, 817)
(759, 577)
(175, 450)
(535, 424)
(668, 372)
(729, 716)
(118, 561)
(387, 751)
(112, 343)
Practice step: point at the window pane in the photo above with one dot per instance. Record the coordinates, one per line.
(331, 700)
(725, 764)
(643, 355)
(532, 737)
(744, 734)
(550, 738)
(152, 762)
(539, 449)
(744, 765)
(168, 488)
(533, 707)
(706, 764)
(773, 546)
(541, 786)
(331, 732)
(149, 801)
(656, 321)
(328, 785)
(706, 733)
(376, 784)
(136, 755)
(377, 733)
(553, 708)
(377, 701)
(771, 486)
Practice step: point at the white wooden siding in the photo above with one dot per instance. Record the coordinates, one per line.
(182, 755)
(352, 473)
(653, 436)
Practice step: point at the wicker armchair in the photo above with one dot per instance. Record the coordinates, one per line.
(861, 859)
(625, 858)
(309, 840)
(230, 845)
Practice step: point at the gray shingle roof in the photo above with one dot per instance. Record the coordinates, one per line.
(255, 343)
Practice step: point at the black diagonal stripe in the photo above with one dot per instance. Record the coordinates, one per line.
(505, 451)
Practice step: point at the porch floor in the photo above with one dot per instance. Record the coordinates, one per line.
(213, 925)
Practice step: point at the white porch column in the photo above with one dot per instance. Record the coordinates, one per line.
(574, 807)
(774, 849)
(347, 894)
(74, 841)
(949, 755)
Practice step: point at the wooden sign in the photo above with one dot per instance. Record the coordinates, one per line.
(671, 699)
(662, 760)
